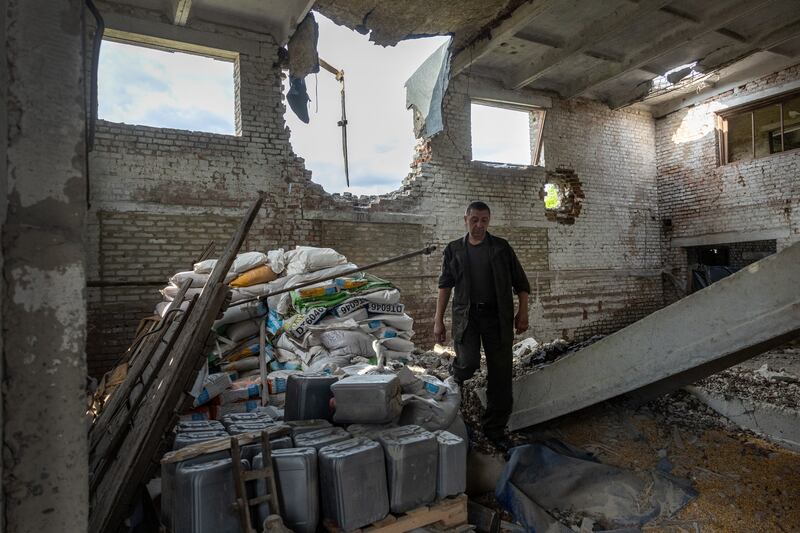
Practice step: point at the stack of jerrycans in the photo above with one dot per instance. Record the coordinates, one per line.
(298, 488)
(353, 482)
(412, 457)
(308, 396)
(367, 399)
(451, 478)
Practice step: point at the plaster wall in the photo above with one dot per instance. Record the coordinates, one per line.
(707, 202)
(158, 196)
(45, 481)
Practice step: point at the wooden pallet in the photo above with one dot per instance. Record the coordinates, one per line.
(448, 514)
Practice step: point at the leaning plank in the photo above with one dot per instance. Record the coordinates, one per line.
(448, 513)
(221, 444)
(119, 426)
(112, 499)
(139, 361)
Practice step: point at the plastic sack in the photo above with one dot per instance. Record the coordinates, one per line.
(397, 344)
(238, 313)
(276, 260)
(525, 347)
(161, 307)
(256, 276)
(213, 386)
(243, 389)
(276, 381)
(247, 261)
(399, 322)
(352, 342)
(281, 302)
(171, 291)
(429, 413)
(242, 365)
(205, 267)
(304, 259)
(198, 280)
(238, 331)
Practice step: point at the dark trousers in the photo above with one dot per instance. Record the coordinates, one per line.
(484, 327)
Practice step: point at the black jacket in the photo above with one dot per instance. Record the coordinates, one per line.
(507, 273)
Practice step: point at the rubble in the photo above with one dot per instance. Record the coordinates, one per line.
(766, 385)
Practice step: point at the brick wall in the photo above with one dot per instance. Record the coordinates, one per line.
(721, 203)
(159, 195)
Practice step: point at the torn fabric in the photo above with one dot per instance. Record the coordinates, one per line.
(303, 56)
(425, 91)
(542, 477)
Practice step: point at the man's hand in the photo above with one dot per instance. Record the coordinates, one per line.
(521, 321)
(439, 331)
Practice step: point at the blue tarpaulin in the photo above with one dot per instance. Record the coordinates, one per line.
(544, 477)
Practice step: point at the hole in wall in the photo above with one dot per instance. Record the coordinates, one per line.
(380, 135)
(562, 196)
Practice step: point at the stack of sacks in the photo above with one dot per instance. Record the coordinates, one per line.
(332, 324)
(329, 325)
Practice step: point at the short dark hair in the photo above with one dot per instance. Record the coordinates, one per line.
(477, 206)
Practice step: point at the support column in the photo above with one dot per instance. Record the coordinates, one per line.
(43, 285)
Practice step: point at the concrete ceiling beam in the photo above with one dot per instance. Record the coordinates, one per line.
(768, 41)
(180, 11)
(670, 41)
(484, 44)
(623, 17)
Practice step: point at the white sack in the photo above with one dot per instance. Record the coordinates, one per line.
(304, 259)
(245, 329)
(399, 322)
(238, 313)
(282, 302)
(248, 261)
(276, 260)
(205, 267)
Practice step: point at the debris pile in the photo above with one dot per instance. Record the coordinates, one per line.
(766, 384)
(320, 327)
(341, 395)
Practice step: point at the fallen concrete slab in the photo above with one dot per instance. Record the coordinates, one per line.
(778, 424)
(752, 311)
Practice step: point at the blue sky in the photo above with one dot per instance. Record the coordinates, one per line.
(170, 89)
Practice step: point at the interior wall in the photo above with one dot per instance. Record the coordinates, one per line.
(45, 478)
(707, 202)
(158, 196)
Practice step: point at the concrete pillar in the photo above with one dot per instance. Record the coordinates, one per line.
(43, 284)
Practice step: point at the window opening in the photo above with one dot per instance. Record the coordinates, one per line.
(503, 133)
(767, 127)
(165, 88)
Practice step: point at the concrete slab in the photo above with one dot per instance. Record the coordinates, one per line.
(780, 425)
(756, 309)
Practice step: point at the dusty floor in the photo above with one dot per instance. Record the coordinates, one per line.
(744, 483)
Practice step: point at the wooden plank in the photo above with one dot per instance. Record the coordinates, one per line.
(448, 513)
(138, 363)
(120, 426)
(115, 493)
(221, 444)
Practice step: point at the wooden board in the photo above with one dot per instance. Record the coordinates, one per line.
(448, 513)
(114, 493)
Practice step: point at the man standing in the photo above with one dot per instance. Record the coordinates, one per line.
(484, 271)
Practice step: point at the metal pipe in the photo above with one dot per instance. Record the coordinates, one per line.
(424, 251)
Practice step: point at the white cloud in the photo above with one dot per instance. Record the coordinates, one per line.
(380, 133)
(139, 85)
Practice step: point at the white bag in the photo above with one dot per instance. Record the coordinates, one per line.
(171, 291)
(237, 313)
(304, 259)
(205, 267)
(348, 342)
(248, 261)
(198, 280)
(276, 260)
(245, 329)
(399, 322)
(281, 302)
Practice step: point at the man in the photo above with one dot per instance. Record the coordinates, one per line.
(484, 270)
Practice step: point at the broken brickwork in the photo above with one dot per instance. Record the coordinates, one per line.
(159, 195)
(570, 193)
(711, 203)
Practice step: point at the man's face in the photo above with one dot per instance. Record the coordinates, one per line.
(477, 223)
